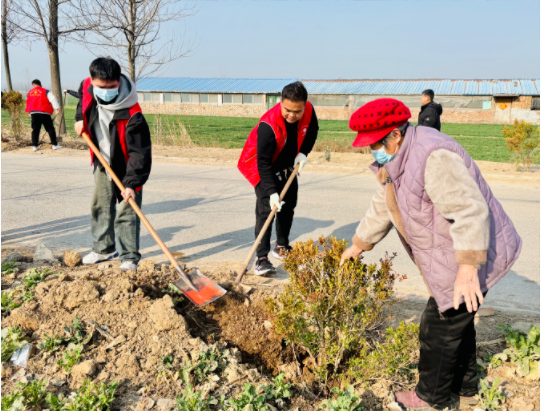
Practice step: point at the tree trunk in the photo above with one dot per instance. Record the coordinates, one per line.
(131, 41)
(54, 63)
(6, 63)
(5, 43)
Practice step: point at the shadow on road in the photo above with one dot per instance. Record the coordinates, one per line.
(57, 228)
(233, 240)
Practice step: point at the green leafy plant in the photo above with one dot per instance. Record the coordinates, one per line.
(93, 397)
(522, 140)
(14, 401)
(250, 398)
(77, 333)
(13, 103)
(50, 343)
(191, 400)
(9, 268)
(8, 301)
(34, 392)
(278, 390)
(490, 398)
(344, 401)
(27, 296)
(327, 309)
(523, 349)
(12, 339)
(71, 356)
(56, 403)
(211, 361)
(34, 277)
(394, 359)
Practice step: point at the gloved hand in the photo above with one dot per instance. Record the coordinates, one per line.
(300, 159)
(275, 201)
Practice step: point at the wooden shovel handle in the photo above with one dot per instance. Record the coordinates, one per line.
(131, 201)
(266, 226)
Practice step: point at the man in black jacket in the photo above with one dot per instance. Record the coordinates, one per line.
(430, 113)
(284, 137)
(109, 112)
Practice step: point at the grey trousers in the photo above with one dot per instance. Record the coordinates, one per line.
(112, 220)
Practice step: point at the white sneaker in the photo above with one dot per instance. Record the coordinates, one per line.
(95, 258)
(128, 265)
(57, 147)
(35, 148)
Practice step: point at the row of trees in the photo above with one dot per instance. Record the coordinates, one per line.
(128, 30)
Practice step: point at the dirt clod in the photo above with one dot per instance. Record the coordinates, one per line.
(84, 370)
(72, 258)
(164, 317)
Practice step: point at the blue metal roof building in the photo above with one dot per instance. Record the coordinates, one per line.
(457, 87)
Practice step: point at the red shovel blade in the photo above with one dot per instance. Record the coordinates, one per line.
(207, 290)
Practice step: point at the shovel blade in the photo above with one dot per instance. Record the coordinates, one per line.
(207, 290)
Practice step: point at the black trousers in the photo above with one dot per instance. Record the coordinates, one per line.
(37, 121)
(284, 218)
(448, 355)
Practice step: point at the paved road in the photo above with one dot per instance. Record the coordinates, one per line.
(208, 213)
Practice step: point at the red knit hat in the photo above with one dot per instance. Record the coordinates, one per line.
(376, 119)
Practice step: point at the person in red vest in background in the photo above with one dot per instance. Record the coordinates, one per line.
(283, 138)
(110, 114)
(40, 104)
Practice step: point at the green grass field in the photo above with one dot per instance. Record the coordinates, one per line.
(482, 141)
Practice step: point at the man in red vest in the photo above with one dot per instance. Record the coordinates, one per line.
(283, 138)
(40, 104)
(109, 112)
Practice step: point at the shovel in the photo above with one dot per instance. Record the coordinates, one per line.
(197, 287)
(266, 226)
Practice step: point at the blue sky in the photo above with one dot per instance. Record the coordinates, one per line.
(342, 39)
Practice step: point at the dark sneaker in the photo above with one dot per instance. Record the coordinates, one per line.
(263, 266)
(280, 251)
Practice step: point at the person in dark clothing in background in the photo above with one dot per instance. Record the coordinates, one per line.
(430, 113)
(283, 138)
(40, 104)
(110, 114)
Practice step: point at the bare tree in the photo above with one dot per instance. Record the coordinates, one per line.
(11, 33)
(51, 21)
(130, 30)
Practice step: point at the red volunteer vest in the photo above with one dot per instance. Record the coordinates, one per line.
(36, 100)
(247, 164)
(87, 101)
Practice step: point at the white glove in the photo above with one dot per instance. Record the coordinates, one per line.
(300, 159)
(275, 201)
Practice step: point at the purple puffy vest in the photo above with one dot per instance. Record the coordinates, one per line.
(427, 231)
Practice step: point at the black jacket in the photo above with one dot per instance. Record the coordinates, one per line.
(430, 115)
(136, 171)
(266, 146)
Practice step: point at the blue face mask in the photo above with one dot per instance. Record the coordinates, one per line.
(106, 94)
(382, 156)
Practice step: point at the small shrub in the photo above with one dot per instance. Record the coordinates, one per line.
(9, 268)
(522, 140)
(523, 349)
(278, 391)
(12, 339)
(209, 362)
(34, 392)
(71, 356)
(14, 401)
(13, 103)
(56, 403)
(345, 401)
(50, 343)
(34, 277)
(77, 333)
(327, 309)
(27, 296)
(490, 398)
(250, 398)
(393, 359)
(191, 400)
(8, 301)
(93, 397)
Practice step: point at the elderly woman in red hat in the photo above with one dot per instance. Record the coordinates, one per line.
(432, 192)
